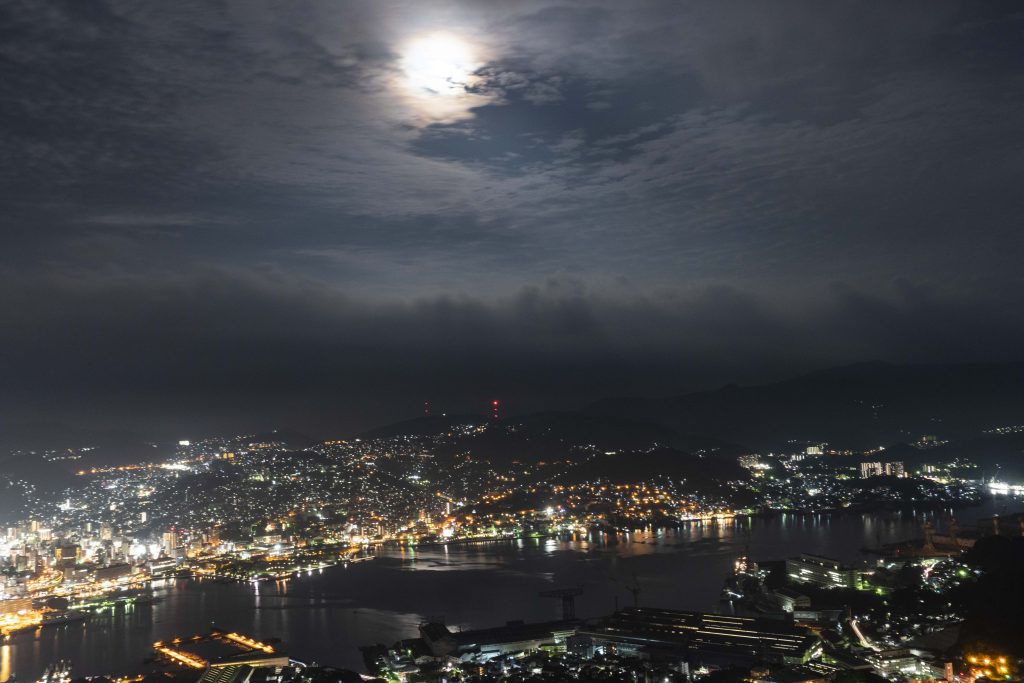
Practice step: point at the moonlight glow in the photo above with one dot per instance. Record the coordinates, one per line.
(439, 64)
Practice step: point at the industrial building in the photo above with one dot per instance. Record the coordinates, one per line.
(821, 571)
(511, 638)
(790, 600)
(675, 639)
(700, 638)
(223, 655)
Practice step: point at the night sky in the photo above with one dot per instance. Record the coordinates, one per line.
(226, 215)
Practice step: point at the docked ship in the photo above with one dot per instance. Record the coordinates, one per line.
(63, 618)
(57, 673)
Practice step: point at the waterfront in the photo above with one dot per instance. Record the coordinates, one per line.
(326, 616)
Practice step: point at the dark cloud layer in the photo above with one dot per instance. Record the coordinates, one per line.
(205, 350)
(232, 213)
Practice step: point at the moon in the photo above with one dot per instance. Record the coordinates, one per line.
(439, 64)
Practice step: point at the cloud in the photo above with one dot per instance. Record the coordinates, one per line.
(241, 199)
(297, 352)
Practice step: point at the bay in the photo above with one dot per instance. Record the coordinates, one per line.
(325, 617)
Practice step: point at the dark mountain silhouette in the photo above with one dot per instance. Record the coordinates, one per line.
(44, 435)
(547, 436)
(428, 425)
(289, 437)
(856, 406)
(642, 466)
(998, 456)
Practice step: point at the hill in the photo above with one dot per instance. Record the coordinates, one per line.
(999, 456)
(856, 406)
(546, 436)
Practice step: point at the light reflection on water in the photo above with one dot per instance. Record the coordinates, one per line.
(326, 616)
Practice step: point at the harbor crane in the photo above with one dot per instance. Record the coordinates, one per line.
(568, 596)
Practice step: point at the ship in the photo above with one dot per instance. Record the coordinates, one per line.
(59, 672)
(147, 599)
(63, 618)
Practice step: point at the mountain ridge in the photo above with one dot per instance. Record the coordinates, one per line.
(856, 406)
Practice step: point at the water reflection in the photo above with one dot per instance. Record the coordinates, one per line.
(326, 616)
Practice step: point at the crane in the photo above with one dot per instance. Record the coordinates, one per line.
(568, 596)
(634, 588)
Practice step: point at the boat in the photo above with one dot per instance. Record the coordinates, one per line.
(147, 599)
(63, 618)
(59, 672)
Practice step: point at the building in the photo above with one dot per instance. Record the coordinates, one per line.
(580, 645)
(672, 639)
(821, 571)
(170, 544)
(901, 662)
(879, 469)
(223, 655)
(699, 638)
(798, 674)
(845, 661)
(15, 605)
(870, 469)
(790, 600)
(67, 555)
(245, 668)
(817, 617)
(163, 567)
(512, 638)
(292, 673)
(113, 572)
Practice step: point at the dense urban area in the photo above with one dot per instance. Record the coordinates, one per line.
(253, 508)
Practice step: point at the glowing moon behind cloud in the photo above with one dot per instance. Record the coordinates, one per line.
(439, 64)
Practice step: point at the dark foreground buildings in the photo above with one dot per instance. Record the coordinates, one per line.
(680, 641)
(700, 639)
